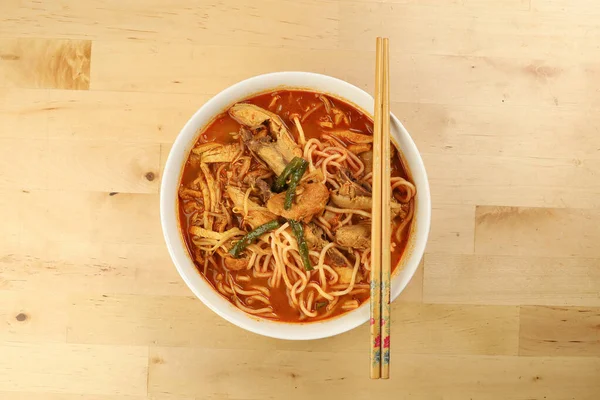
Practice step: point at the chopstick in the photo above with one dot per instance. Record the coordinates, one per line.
(375, 321)
(381, 219)
(386, 218)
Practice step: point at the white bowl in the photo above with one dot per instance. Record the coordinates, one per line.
(169, 213)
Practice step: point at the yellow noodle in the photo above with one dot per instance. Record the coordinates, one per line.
(323, 293)
(250, 310)
(261, 289)
(303, 307)
(348, 211)
(300, 131)
(260, 298)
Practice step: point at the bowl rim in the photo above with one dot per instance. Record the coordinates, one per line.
(175, 242)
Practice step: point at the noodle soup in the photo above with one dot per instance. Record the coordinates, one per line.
(275, 205)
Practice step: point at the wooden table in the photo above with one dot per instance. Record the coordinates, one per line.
(502, 98)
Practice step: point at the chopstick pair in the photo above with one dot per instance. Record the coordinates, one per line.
(381, 219)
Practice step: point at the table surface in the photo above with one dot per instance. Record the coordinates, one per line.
(502, 98)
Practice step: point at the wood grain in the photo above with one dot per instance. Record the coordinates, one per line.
(452, 229)
(25, 317)
(45, 63)
(73, 369)
(72, 396)
(501, 98)
(182, 321)
(290, 374)
(116, 167)
(560, 331)
(537, 232)
(213, 22)
(482, 279)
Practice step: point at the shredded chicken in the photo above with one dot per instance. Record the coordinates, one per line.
(283, 143)
(339, 116)
(352, 136)
(221, 154)
(257, 215)
(204, 147)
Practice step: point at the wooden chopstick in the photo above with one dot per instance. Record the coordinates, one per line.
(381, 218)
(386, 218)
(376, 243)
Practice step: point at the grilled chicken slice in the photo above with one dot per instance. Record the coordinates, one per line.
(354, 236)
(310, 200)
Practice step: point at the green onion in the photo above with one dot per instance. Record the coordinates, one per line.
(287, 171)
(321, 304)
(251, 237)
(294, 180)
(298, 230)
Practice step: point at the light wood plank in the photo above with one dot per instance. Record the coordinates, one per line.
(446, 170)
(165, 149)
(109, 116)
(306, 23)
(120, 116)
(456, 329)
(23, 163)
(68, 396)
(452, 4)
(125, 218)
(62, 368)
(68, 165)
(45, 63)
(98, 267)
(32, 317)
(493, 30)
(70, 247)
(178, 68)
(567, 8)
(23, 113)
(186, 371)
(452, 229)
(560, 331)
(537, 232)
(571, 133)
(181, 68)
(478, 279)
(103, 166)
(480, 192)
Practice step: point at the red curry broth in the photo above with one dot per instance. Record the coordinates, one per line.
(292, 101)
